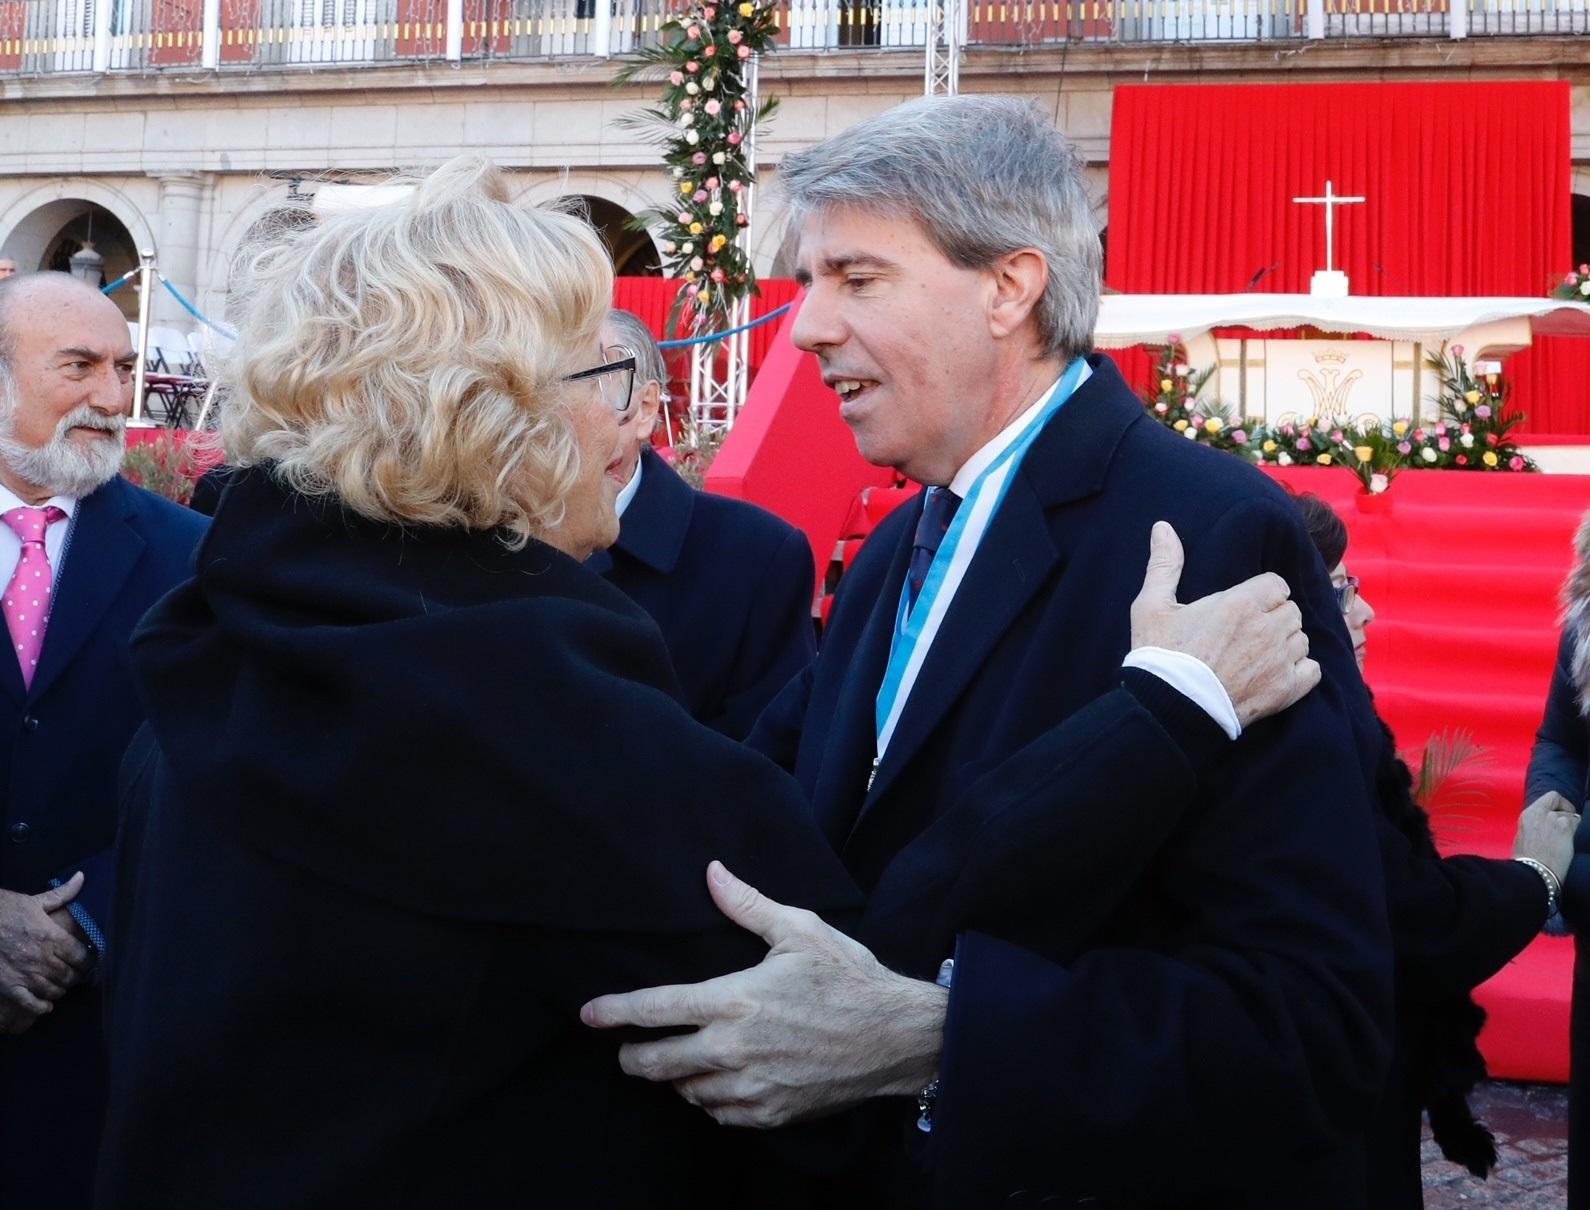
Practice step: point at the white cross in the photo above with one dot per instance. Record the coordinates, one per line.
(1330, 201)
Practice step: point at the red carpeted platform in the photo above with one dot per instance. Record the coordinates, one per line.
(1463, 571)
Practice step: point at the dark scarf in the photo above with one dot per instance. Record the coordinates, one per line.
(464, 729)
(1444, 1060)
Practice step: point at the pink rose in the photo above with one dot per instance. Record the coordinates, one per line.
(687, 105)
(1418, 434)
(1174, 338)
(713, 106)
(1287, 430)
(734, 138)
(741, 221)
(1457, 350)
(712, 182)
(1404, 448)
(739, 106)
(709, 12)
(735, 186)
(1516, 463)
(719, 276)
(700, 196)
(676, 78)
(692, 67)
(684, 217)
(1462, 460)
(1444, 442)
(743, 51)
(735, 37)
(1337, 436)
(1490, 438)
(1441, 428)
(708, 51)
(693, 32)
(699, 158)
(1239, 437)
(1482, 412)
(1303, 444)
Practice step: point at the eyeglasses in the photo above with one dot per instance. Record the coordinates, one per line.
(615, 378)
(1346, 593)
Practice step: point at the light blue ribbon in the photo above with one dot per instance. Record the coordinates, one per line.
(911, 619)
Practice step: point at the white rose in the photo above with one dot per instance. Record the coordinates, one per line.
(1162, 408)
(692, 137)
(709, 83)
(1378, 484)
(718, 157)
(679, 173)
(1190, 433)
(1584, 287)
(687, 120)
(692, 88)
(1466, 441)
(1283, 459)
(1428, 454)
(670, 247)
(715, 209)
(688, 248)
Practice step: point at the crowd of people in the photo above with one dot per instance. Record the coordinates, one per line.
(465, 811)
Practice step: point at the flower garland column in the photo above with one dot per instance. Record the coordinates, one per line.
(706, 121)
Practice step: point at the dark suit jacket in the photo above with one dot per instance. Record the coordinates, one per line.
(730, 586)
(422, 836)
(1559, 762)
(66, 735)
(1239, 988)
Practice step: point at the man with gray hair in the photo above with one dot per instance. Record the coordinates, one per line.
(1198, 1019)
(729, 584)
(83, 554)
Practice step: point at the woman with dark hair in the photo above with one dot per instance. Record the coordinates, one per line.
(1455, 922)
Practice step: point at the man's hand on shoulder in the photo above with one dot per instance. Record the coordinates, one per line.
(1251, 636)
(820, 1024)
(40, 961)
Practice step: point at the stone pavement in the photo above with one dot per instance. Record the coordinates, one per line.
(1530, 1122)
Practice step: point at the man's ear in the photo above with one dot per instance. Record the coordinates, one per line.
(648, 405)
(1019, 279)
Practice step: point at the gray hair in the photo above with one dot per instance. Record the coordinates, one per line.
(635, 336)
(983, 176)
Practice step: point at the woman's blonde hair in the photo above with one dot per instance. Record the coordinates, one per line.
(409, 358)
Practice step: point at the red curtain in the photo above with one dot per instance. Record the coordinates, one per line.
(1468, 190)
(651, 298)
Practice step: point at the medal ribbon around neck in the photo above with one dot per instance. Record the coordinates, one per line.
(916, 626)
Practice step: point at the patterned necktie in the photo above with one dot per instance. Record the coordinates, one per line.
(937, 513)
(26, 603)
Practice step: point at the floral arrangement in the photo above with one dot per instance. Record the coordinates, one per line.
(1301, 442)
(1574, 287)
(1473, 430)
(1173, 400)
(704, 123)
(1475, 417)
(163, 465)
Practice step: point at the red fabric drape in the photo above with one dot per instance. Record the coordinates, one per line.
(1468, 188)
(651, 298)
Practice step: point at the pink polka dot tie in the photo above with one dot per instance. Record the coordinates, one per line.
(27, 599)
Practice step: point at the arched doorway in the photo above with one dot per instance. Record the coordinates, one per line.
(57, 231)
(1581, 230)
(633, 253)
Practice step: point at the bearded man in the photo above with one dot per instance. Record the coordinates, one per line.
(83, 554)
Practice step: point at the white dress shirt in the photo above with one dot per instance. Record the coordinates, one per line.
(54, 536)
(627, 492)
(1185, 673)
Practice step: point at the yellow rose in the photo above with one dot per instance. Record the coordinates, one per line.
(1212, 425)
(1472, 396)
(1180, 424)
(1363, 453)
(718, 241)
(1165, 384)
(1270, 447)
(703, 295)
(747, 9)
(687, 186)
(695, 228)
(1400, 428)
(1489, 458)
(1323, 460)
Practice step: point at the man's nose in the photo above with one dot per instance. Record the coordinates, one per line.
(112, 392)
(817, 324)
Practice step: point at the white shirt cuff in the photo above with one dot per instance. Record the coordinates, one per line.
(1192, 678)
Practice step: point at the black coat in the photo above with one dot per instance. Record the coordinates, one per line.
(730, 586)
(1559, 762)
(65, 736)
(1455, 922)
(430, 795)
(1214, 1030)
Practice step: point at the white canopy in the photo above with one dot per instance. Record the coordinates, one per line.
(1133, 319)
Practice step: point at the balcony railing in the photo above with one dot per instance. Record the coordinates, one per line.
(80, 36)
